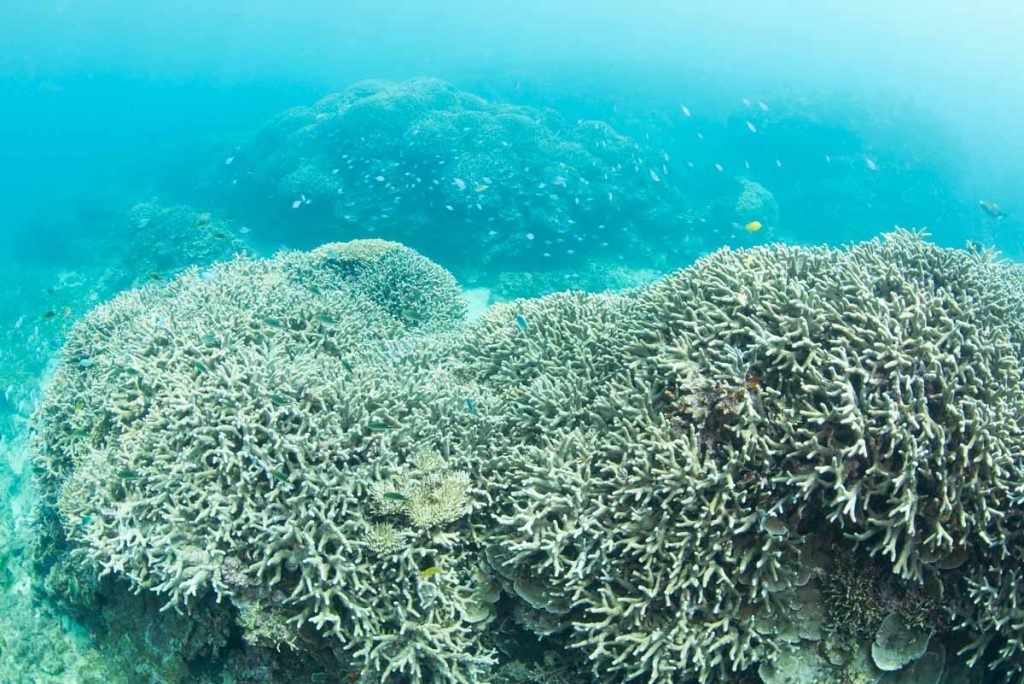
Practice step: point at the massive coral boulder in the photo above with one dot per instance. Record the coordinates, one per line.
(464, 180)
(753, 462)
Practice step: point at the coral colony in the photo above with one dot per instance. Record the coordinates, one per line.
(778, 462)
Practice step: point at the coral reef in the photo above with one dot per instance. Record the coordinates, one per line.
(90, 255)
(678, 483)
(182, 455)
(755, 203)
(464, 180)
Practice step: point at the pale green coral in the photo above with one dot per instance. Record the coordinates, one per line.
(896, 644)
(384, 538)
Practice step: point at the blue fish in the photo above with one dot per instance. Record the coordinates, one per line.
(471, 406)
(521, 322)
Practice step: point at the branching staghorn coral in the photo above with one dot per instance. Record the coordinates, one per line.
(882, 384)
(640, 481)
(654, 563)
(663, 492)
(223, 437)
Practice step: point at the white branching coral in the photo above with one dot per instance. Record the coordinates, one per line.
(634, 477)
(663, 453)
(221, 437)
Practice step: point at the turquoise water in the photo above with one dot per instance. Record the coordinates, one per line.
(555, 342)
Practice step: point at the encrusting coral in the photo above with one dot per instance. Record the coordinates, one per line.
(645, 482)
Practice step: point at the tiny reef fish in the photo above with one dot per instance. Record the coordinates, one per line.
(521, 322)
(471, 406)
(395, 496)
(429, 572)
(753, 226)
(412, 315)
(992, 209)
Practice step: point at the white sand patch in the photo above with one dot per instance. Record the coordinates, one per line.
(479, 300)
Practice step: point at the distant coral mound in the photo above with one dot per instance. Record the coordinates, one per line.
(778, 460)
(464, 180)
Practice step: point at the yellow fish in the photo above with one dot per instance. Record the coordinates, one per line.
(432, 570)
(753, 226)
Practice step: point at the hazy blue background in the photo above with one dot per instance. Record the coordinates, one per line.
(112, 96)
